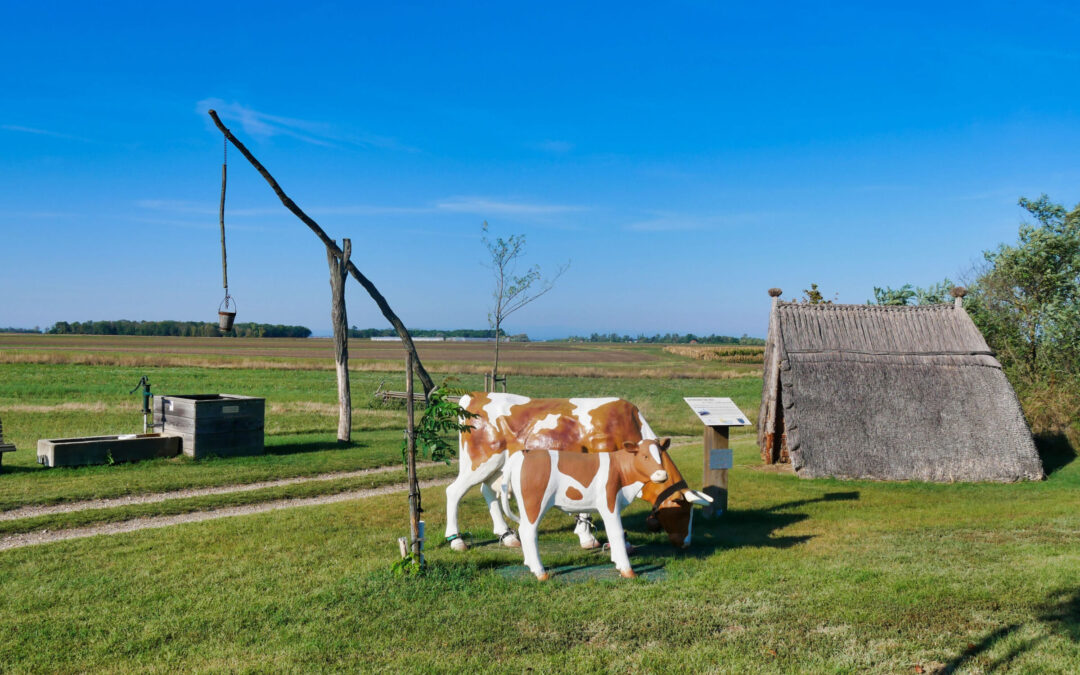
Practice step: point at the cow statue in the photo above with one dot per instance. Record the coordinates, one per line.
(577, 483)
(508, 423)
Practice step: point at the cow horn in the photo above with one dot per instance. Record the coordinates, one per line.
(695, 497)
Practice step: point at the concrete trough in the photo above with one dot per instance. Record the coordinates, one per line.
(225, 425)
(105, 449)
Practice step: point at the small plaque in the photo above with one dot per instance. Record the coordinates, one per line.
(230, 409)
(717, 412)
(722, 458)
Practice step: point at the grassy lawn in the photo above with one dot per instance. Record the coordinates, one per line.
(798, 576)
(65, 400)
(823, 575)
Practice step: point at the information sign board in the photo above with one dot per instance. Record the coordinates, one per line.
(715, 412)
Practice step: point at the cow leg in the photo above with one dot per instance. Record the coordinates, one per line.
(583, 529)
(502, 530)
(529, 548)
(617, 540)
(466, 480)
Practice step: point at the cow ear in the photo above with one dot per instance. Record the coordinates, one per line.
(665, 443)
(695, 497)
(630, 447)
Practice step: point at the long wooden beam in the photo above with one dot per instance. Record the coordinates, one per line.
(384, 306)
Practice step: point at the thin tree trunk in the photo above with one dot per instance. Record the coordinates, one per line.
(410, 461)
(495, 368)
(340, 321)
(384, 306)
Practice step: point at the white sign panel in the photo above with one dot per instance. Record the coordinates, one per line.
(717, 412)
(721, 458)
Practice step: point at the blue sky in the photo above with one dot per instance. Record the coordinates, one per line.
(683, 157)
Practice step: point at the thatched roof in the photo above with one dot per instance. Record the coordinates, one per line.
(892, 393)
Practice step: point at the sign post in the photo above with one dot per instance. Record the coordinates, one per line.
(718, 415)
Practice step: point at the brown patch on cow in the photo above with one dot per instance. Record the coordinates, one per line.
(581, 468)
(628, 467)
(535, 475)
(573, 493)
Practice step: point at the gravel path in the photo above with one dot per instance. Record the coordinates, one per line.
(154, 497)
(45, 537)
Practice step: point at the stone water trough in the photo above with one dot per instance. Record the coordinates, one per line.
(53, 452)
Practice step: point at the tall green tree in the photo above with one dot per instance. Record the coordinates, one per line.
(1027, 296)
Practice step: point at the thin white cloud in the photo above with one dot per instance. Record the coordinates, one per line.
(43, 132)
(554, 147)
(486, 205)
(471, 205)
(264, 125)
(676, 222)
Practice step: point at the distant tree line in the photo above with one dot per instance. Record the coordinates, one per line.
(670, 338)
(11, 329)
(355, 332)
(176, 329)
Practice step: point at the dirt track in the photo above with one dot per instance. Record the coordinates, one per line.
(46, 537)
(155, 497)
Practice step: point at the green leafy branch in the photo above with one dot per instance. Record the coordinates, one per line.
(441, 418)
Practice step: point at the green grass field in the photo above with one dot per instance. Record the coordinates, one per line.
(798, 576)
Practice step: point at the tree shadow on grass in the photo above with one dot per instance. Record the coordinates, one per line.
(310, 446)
(1060, 613)
(1055, 450)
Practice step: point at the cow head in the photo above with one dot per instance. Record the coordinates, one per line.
(673, 502)
(647, 462)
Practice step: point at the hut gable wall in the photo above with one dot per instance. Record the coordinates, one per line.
(892, 393)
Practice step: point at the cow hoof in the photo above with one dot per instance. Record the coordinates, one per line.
(459, 545)
(543, 576)
(590, 544)
(510, 540)
(628, 574)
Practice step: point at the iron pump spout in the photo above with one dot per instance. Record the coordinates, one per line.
(147, 402)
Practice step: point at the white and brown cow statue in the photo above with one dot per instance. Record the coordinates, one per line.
(506, 424)
(576, 483)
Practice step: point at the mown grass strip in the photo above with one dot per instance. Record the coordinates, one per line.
(74, 519)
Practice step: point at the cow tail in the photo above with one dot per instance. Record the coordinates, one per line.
(504, 497)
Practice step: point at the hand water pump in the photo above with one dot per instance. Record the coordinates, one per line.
(147, 403)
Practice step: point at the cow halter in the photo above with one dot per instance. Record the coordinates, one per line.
(666, 494)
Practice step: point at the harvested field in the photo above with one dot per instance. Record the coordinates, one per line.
(323, 348)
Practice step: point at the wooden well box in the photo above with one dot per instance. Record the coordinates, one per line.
(226, 425)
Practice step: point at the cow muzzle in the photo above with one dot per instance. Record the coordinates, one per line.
(659, 476)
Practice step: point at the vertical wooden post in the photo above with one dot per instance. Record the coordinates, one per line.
(715, 479)
(410, 461)
(338, 318)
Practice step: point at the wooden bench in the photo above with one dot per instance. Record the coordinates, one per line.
(4, 447)
(418, 396)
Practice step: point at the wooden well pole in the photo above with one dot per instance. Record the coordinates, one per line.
(384, 306)
(340, 321)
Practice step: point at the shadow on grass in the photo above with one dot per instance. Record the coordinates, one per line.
(310, 446)
(1061, 614)
(747, 528)
(1055, 450)
(18, 468)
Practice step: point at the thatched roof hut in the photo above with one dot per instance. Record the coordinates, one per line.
(889, 393)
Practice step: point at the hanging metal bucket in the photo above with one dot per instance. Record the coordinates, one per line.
(225, 317)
